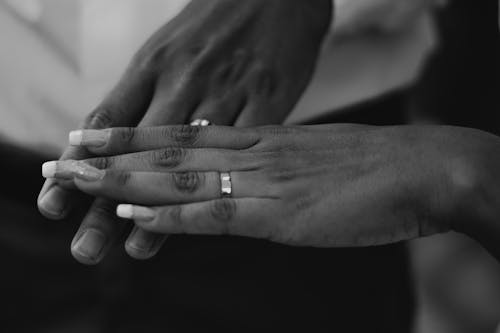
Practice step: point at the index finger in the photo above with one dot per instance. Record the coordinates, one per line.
(115, 141)
(122, 107)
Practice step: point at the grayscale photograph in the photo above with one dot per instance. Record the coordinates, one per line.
(250, 166)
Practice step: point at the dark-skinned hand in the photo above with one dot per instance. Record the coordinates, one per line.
(233, 62)
(323, 186)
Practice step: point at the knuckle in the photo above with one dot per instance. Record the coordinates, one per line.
(279, 166)
(174, 216)
(283, 175)
(197, 49)
(235, 68)
(122, 178)
(304, 202)
(188, 182)
(278, 139)
(169, 157)
(200, 66)
(276, 159)
(223, 212)
(223, 74)
(100, 118)
(126, 135)
(264, 82)
(152, 57)
(184, 135)
(102, 163)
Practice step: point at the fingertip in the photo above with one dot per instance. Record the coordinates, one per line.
(49, 169)
(82, 259)
(93, 140)
(138, 253)
(52, 201)
(143, 245)
(125, 211)
(75, 138)
(47, 185)
(136, 213)
(88, 247)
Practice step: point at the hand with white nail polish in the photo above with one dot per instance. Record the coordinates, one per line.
(233, 62)
(322, 186)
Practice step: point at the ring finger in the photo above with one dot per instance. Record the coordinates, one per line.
(155, 188)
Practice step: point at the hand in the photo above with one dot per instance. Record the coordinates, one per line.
(229, 61)
(323, 186)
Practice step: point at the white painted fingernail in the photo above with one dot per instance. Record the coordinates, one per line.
(125, 211)
(49, 169)
(75, 138)
(89, 138)
(133, 212)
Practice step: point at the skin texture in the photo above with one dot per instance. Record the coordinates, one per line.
(233, 62)
(322, 186)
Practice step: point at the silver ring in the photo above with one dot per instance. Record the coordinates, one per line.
(201, 122)
(226, 186)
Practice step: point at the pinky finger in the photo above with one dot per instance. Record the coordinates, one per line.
(250, 217)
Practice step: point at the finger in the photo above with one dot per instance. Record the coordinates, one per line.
(99, 229)
(126, 104)
(142, 244)
(254, 116)
(167, 160)
(221, 111)
(154, 188)
(262, 113)
(56, 199)
(249, 217)
(122, 107)
(175, 99)
(161, 161)
(263, 107)
(170, 105)
(53, 201)
(129, 140)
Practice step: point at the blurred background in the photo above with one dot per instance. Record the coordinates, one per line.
(58, 58)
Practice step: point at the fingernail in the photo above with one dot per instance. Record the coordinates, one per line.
(90, 244)
(54, 201)
(133, 212)
(143, 245)
(68, 169)
(49, 169)
(89, 138)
